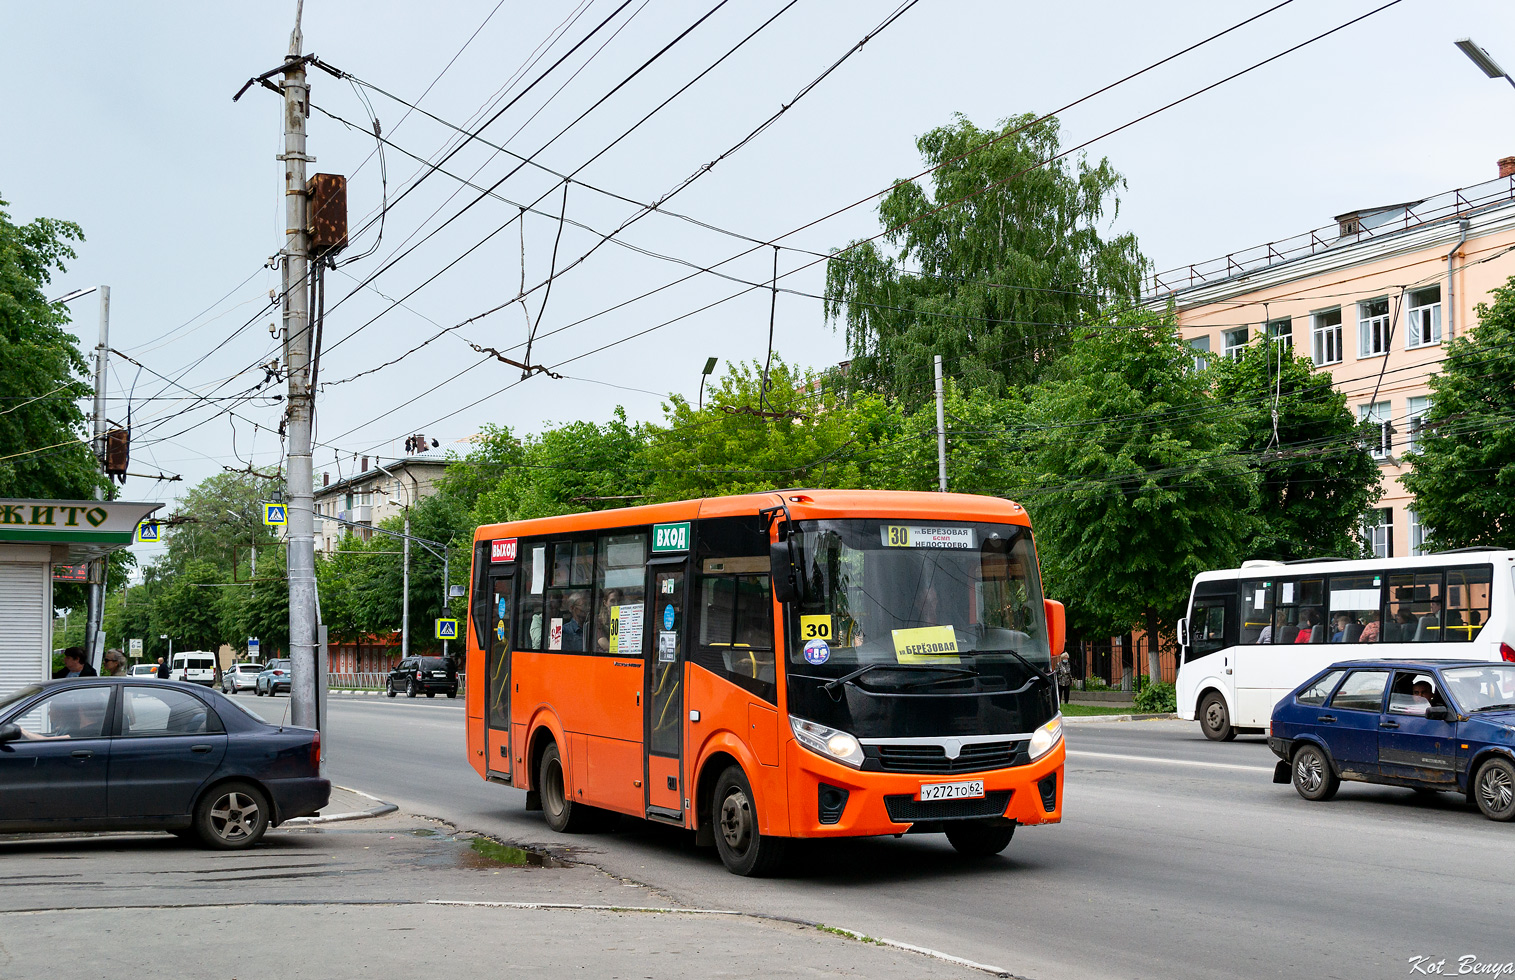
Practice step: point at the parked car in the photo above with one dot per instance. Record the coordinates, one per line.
(273, 678)
(1430, 725)
(239, 677)
(126, 753)
(144, 670)
(428, 675)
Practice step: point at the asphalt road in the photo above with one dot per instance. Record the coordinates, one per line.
(1177, 857)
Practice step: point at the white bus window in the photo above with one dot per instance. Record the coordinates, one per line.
(1354, 613)
(1414, 607)
(1300, 615)
(1467, 603)
(1362, 691)
(1257, 612)
(1207, 627)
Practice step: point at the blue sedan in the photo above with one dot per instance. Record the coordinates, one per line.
(1430, 725)
(125, 753)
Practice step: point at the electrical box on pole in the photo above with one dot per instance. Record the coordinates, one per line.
(326, 207)
(117, 453)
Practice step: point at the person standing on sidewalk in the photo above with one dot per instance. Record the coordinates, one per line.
(1064, 673)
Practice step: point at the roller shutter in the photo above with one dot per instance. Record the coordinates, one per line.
(25, 601)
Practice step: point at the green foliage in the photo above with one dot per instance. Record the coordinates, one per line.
(726, 449)
(188, 608)
(222, 519)
(1316, 477)
(1127, 470)
(575, 467)
(1159, 698)
(42, 373)
(1002, 278)
(1463, 476)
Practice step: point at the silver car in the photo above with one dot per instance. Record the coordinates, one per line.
(240, 677)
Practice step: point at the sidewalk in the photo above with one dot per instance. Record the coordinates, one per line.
(392, 895)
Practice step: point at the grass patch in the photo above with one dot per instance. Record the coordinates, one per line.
(1082, 710)
(504, 853)
(848, 934)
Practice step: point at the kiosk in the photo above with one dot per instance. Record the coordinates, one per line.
(35, 535)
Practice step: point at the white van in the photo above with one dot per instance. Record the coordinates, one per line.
(195, 666)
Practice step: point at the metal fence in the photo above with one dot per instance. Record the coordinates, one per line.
(367, 681)
(1118, 662)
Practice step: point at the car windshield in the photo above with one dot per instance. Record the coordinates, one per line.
(1482, 688)
(910, 593)
(21, 695)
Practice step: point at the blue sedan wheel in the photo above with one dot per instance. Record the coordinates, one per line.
(1313, 778)
(1494, 789)
(231, 816)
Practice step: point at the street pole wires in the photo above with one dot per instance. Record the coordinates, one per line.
(526, 371)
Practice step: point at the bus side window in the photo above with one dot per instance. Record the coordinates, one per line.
(1207, 625)
(529, 612)
(483, 626)
(1467, 602)
(1257, 612)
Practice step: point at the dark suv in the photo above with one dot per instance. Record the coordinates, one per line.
(423, 675)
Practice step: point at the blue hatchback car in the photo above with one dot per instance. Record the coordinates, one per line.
(1429, 725)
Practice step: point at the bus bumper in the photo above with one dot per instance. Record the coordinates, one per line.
(878, 803)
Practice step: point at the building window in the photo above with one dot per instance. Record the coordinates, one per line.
(1424, 326)
(1373, 327)
(1418, 533)
(1381, 439)
(1236, 342)
(1325, 337)
(1378, 531)
(1415, 419)
(1282, 331)
(1201, 347)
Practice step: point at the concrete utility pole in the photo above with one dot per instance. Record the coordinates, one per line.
(299, 487)
(405, 562)
(941, 431)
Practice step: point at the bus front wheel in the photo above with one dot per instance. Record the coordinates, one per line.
(562, 813)
(1215, 719)
(743, 849)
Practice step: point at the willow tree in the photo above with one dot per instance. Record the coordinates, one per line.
(991, 269)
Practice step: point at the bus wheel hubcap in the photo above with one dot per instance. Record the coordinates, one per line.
(1213, 715)
(736, 820)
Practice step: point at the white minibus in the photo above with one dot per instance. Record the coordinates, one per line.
(1253, 634)
(195, 666)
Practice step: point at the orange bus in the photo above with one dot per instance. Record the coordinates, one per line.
(801, 663)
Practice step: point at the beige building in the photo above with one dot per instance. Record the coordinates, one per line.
(1372, 298)
(380, 489)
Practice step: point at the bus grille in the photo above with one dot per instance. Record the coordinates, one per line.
(932, 759)
(905, 808)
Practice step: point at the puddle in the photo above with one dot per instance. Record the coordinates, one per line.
(488, 853)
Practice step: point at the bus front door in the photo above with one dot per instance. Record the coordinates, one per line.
(663, 698)
(497, 676)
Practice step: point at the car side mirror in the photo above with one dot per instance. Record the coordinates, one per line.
(10, 733)
(1057, 627)
(1438, 712)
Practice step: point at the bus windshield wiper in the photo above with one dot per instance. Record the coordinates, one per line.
(1045, 675)
(832, 685)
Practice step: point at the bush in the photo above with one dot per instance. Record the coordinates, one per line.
(1159, 698)
(1095, 684)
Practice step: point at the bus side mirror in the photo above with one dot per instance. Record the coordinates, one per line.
(1057, 627)
(785, 575)
(1183, 632)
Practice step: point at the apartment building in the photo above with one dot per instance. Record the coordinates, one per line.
(1372, 298)
(379, 489)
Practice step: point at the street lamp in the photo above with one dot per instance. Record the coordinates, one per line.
(1481, 58)
(709, 367)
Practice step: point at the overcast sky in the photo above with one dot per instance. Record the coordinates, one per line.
(120, 117)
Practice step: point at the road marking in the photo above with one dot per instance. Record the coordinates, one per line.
(1167, 762)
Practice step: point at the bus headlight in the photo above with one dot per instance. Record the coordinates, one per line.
(828, 742)
(1045, 737)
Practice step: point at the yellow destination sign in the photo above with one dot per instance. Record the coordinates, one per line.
(926, 645)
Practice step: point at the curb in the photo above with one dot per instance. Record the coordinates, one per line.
(374, 811)
(1089, 719)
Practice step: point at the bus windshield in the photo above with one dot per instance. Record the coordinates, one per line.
(894, 592)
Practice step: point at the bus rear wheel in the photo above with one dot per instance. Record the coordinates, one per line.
(979, 839)
(562, 813)
(1214, 719)
(743, 849)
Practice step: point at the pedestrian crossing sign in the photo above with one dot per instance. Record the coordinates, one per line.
(148, 531)
(275, 515)
(447, 629)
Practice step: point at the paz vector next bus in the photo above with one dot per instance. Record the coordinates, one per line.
(801, 663)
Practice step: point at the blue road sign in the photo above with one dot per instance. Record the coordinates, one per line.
(275, 514)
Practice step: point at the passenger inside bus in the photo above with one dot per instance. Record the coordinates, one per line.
(609, 599)
(1340, 633)
(1428, 630)
(1277, 628)
(1310, 628)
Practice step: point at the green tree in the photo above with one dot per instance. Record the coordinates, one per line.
(42, 373)
(1002, 277)
(1128, 469)
(188, 608)
(1463, 474)
(221, 520)
(261, 609)
(1316, 478)
(819, 439)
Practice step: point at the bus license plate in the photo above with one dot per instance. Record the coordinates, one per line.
(973, 789)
